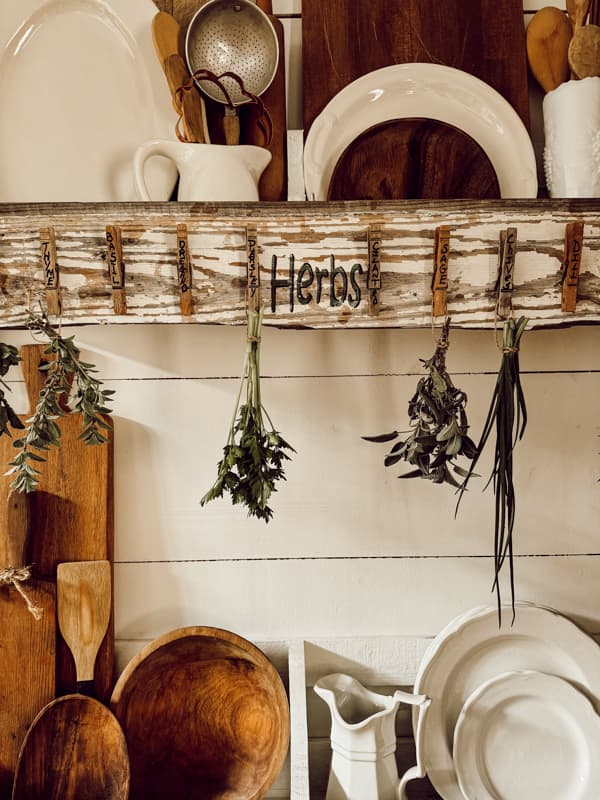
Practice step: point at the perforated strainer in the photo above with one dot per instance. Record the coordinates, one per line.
(232, 36)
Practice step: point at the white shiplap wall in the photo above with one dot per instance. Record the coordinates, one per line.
(352, 551)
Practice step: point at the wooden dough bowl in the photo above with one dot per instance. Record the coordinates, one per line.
(205, 715)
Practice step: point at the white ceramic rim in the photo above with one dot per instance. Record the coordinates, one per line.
(429, 91)
(487, 700)
(136, 17)
(534, 622)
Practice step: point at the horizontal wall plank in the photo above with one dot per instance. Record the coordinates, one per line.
(313, 233)
(138, 352)
(358, 598)
(170, 435)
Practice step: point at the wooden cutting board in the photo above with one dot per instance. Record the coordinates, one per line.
(273, 182)
(27, 645)
(71, 515)
(342, 40)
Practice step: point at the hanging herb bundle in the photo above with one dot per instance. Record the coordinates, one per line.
(507, 415)
(439, 425)
(9, 357)
(70, 385)
(253, 456)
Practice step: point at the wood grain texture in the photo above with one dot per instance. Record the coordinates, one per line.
(27, 649)
(72, 514)
(343, 40)
(313, 233)
(83, 594)
(205, 716)
(411, 159)
(75, 750)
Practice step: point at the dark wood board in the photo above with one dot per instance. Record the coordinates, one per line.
(343, 39)
(418, 158)
(71, 516)
(273, 182)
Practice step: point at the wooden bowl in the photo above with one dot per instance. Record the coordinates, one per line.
(205, 715)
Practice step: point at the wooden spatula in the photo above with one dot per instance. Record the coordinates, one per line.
(83, 599)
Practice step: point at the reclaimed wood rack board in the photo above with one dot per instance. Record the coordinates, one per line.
(319, 265)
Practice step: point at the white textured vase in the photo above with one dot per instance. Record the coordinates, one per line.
(572, 139)
(363, 740)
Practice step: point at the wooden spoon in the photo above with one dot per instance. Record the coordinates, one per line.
(166, 35)
(584, 52)
(548, 36)
(75, 747)
(578, 11)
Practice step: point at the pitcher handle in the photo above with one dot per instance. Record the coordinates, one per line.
(418, 771)
(154, 147)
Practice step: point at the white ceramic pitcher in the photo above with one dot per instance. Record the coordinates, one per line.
(207, 172)
(363, 740)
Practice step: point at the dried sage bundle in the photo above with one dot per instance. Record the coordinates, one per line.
(254, 453)
(438, 420)
(507, 415)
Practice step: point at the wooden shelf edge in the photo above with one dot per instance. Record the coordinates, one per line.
(304, 249)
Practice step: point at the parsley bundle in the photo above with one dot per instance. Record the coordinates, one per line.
(507, 415)
(438, 420)
(254, 454)
(70, 384)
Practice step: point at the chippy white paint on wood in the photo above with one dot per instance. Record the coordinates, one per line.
(314, 234)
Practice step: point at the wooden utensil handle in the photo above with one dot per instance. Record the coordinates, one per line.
(231, 128)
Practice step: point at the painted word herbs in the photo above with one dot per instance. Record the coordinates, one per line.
(306, 284)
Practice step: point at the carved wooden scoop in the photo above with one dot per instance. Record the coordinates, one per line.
(75, 747)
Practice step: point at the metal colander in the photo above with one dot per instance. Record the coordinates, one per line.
(233, 36)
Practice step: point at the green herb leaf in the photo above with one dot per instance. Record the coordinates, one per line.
(507, 416)
(68, 379)
(255, 452)
(438, 423)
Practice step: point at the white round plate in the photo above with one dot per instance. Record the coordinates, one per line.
(472, 649)
(528, 734)
(80, 89)
(429, 91)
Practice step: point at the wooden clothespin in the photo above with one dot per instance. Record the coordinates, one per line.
(439, 282)
(184, 271)
(571, 265)
(116, 268)
(506, 267)
(374, 273)
(51, 271)
(252, 270)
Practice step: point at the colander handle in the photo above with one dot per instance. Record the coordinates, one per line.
(231, 127)
(154, 147)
